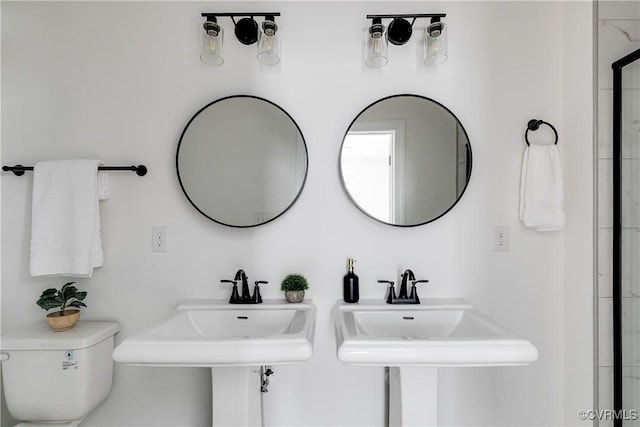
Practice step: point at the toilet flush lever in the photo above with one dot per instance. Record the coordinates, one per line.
(4, 356)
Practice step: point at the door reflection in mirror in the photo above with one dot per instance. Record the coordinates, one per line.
(372, 164)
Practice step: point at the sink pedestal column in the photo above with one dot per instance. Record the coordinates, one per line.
(236, 396)
(413, 396)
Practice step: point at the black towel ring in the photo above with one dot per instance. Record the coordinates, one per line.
(534, 125)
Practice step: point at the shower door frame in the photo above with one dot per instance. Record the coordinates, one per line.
(618, 67)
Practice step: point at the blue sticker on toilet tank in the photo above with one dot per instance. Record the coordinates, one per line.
(69, 363)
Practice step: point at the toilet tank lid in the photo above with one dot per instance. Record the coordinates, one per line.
(38, 336)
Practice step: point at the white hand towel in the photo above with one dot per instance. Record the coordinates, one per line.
(65, 219)
(541, 192)
(104, 185)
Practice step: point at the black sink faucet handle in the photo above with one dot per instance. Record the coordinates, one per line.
(235, 297)
(414, 294)
(257, 298)
(392, 291)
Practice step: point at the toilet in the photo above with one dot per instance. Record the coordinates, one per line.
(57, 377)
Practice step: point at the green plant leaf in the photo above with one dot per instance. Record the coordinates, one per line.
(49, 304)
(80, 296)
(50, 297)
(77, 304)
(48, 292)
(68, 291)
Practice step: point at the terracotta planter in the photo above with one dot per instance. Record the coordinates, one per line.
(294, 296)
(63, 322)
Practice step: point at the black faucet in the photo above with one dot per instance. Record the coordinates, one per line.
(241, 275)
(407, 275)
(402, 297)
(245, 297)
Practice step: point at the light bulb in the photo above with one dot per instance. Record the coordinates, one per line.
(377, 46)
(268, 44)
(435, 46)
(213, 45)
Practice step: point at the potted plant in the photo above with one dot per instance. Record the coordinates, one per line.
(294, 286)
(63, 298)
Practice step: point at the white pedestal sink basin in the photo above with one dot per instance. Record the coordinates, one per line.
(413, 340)
(234, 340)
(215, 333)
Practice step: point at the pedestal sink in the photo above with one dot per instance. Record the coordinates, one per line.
(413, 340)
(234, 341)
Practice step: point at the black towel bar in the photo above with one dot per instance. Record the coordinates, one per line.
(534, 124)
(141, 170)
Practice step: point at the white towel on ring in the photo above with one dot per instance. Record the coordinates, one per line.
(65, 218)
(541, 189)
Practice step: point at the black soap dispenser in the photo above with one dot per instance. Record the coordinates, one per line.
(350, 284)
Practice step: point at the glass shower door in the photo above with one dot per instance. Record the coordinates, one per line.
(626, 240)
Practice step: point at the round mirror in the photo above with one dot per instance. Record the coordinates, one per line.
(242, 161)
(405, 160)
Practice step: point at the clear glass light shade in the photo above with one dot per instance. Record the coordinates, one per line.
(268, 49)
(212, 42)
(377, 47)
(435, 44)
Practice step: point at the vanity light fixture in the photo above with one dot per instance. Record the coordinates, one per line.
(269, 43)
(247, 32)
(399, 33)
(435, 42)
(212, 37)
(377, 45)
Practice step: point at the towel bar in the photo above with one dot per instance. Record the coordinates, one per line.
(141, 170)
(534, 124)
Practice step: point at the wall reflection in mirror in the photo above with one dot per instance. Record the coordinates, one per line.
(242, 161)
(405, 160)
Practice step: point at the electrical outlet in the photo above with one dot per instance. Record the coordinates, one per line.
(500, 238)
(159, 239)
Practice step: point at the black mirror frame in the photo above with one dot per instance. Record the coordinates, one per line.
(306, 151)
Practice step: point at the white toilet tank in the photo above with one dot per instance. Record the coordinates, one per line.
(57, 376)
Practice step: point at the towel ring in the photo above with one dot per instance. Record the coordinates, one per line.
(534, 125)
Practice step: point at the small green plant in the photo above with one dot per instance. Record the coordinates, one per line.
(294, 282)
(67, 296)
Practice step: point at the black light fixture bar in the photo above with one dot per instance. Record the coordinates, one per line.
(234, 14)
(409, 15)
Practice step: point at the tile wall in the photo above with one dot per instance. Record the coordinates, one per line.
(618, 30)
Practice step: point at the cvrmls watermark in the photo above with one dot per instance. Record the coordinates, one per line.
(608, 414)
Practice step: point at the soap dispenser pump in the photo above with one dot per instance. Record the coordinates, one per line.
(350, 284)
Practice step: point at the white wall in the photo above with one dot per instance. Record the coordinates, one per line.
(119, 81)
(579, 283)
